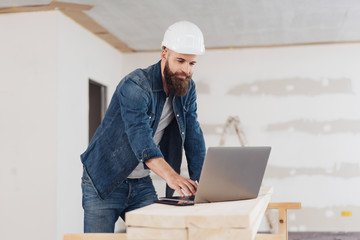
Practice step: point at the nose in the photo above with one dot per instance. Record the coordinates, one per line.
(186, 68)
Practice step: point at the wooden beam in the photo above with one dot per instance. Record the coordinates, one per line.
(286, 205)
(31, 8)
(282, 221)
(51, 6)
(87, 22)
(71, 6)
(95, 236)
(156, 233)
(265, 236)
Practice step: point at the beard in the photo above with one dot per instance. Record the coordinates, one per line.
(176, 85)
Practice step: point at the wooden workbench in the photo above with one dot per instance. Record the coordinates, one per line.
(222, 220)
(226, 220)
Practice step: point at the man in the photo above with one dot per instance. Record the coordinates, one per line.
(150, 120)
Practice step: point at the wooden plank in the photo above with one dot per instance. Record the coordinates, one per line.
(282, 220)
(71, 6)
(115, 42)
(255, 227)
(288, 205)
(249, 233)
(268, 237)
(229, 215)
(31, 8)
(47, 7)
(159, 216)
(95, 236)
(219, 234)
(233, 214)
(138, 233)
(87, 22)
(84, 20)
(282, 228)
(236, 214)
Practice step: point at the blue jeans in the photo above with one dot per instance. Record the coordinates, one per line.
(100, 215)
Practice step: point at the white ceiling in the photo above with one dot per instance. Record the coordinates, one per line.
(225, 23)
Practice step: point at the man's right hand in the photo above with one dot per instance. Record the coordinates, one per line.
(180, 184)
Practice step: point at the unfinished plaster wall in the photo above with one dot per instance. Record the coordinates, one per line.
(302, 101)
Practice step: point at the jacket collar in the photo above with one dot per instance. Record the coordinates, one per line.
(157, 79)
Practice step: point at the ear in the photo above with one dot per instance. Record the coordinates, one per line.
(164, 54)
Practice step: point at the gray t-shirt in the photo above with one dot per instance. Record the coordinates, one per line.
(166, 116)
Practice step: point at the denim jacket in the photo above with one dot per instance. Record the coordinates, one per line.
(125, 136)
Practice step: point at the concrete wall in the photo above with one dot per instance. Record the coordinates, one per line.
(302, 101)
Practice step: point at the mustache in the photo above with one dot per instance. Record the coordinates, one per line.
(184, 75)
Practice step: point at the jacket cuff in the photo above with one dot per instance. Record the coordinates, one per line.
(150, 153)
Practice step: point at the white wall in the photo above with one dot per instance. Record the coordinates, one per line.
(28, 125)
(81, 55)
(302, 101)
(46, 61)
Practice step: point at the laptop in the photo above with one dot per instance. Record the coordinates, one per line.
(228, 174)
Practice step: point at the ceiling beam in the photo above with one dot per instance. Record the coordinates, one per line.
(30, 8)
(91, 25)
(51, 6)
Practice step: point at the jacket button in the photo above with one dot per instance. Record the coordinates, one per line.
(182, 133)
(118, 182)
(145, 155)
(177, 115)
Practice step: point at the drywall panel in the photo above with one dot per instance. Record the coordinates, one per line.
(28, 125)
(302, 101)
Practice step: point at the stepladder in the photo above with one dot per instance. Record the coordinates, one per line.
(282, 231)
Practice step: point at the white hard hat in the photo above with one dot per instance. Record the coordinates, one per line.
(184, 37)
